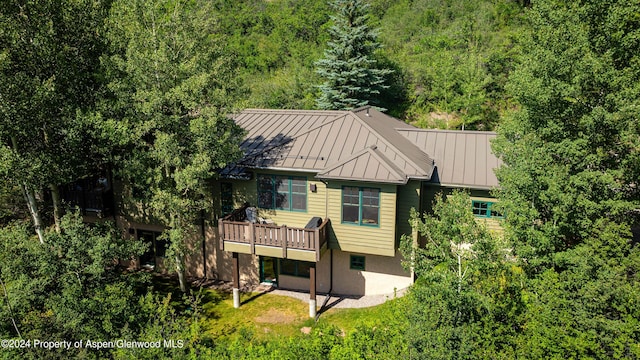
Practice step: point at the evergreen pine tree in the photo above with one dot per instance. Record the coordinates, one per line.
(348, 68)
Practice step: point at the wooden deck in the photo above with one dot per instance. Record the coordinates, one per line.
(272, 240)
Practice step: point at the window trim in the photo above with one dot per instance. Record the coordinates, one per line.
(360, 205)
(489, 205)
(290, 192)
(357, 258)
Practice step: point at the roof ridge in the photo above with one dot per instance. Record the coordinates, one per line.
(371, 149)
(319, 126)
(449, 131)
(388, 143)
(390, 165)
(294, 111)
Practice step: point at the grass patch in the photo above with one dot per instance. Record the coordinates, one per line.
(262, 315)
(348, 319)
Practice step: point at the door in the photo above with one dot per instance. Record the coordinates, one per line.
(268, 270)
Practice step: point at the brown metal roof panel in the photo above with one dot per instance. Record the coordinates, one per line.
(364, 166)
(481, 161)
(459, 149)
(355, 168)
(386, 126)
(324, 145)
(448, 160)
(470, 153)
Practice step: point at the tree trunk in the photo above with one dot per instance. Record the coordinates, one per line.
(33, 209)
(30, 198)
(459, 273)
(13, 320)
(57, 205)
(181, 274)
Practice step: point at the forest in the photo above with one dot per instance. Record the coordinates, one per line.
(143, 89)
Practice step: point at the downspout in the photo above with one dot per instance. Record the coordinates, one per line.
(204, 245)
(326, 215)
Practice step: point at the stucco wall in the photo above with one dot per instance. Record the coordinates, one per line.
(382, 275)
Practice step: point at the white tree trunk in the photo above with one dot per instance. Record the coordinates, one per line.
(33, 209)
(181, 274)
(30, 198)
(459, 273)
(57, 205)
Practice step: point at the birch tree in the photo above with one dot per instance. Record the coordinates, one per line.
(463, 283)
(49, 56)
(172, 83)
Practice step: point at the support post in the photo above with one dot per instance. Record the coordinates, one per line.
(236, 281)
(312, 291)
(283, 238)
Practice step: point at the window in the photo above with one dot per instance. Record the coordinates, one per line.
(360, 205)
(282, 192)
(295, 268)
(226, 198)
(483, 209)
(356, 262)
(157, 247)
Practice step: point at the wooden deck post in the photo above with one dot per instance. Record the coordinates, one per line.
(312, 291)
(284, 241)
(252, 237)
(236, 280)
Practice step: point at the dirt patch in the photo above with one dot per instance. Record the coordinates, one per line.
(275, 317)
(306, 330)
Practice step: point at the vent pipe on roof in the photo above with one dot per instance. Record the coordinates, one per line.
(368, 112)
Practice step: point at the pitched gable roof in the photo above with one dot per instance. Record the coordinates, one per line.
(367, 165)
(312, 140)
(364, 145)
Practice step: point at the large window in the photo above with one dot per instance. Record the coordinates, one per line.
(360, 205)
(282, 192)
(484, 209)
(295, 268)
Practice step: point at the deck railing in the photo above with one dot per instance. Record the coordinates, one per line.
(272, 235)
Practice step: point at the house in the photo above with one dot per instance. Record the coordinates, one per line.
(321, 198)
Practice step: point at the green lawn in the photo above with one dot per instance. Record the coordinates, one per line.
(267, 315)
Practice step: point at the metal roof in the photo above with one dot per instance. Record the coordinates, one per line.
(462, 158)
(362, 144)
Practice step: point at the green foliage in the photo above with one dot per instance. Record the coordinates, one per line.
(569, 186)
(573, 150)
(349, 69)
(72, 287)
(591, 309)
(50, 57)
(49, 62)
(172, 85)
(466, 302)
(450, 59)
(456, 56)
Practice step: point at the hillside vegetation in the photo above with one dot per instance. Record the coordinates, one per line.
(451, 58)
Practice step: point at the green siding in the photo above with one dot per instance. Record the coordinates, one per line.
(429, 193)
(408, 197)
(378, 240)
(247, 191)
